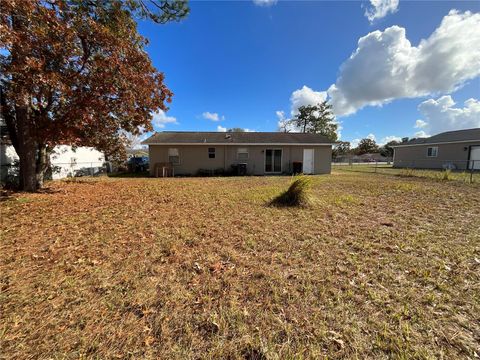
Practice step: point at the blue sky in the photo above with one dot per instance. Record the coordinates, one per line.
(242, 62)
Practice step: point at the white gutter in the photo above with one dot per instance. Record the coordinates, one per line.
(245, 144)
(437, 143)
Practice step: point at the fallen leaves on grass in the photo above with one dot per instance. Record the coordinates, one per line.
(200, 268)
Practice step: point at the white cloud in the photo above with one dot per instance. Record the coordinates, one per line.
(421, 134)
(302, 97)
(160, 119)
(221, 128)
(280, 115)
(420, 124)
(380, 9)
(212, 116)
(354, 143)
(371, 137)
(387, 139)
(306, 96)
(385, 66)
(283, 123)
(265, 3)
(441, 115)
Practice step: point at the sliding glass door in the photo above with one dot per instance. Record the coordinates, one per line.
(273, 160)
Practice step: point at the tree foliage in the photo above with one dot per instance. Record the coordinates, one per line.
(76, 72)
(341, 148)
(366, 146)
(317, 119)
(387, 149)
(236, 129)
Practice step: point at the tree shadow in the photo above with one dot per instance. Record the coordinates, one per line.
(143, 174)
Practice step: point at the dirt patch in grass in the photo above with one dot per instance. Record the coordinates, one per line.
(376, 267)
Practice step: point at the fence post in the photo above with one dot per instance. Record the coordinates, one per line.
(471, 171)
(376, 163)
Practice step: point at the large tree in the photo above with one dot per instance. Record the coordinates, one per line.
(387, 149)
(341, 148)
(318, 119)
(366, 146)
(76, 72)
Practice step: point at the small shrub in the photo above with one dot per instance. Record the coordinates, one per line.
(446, 174)
(407, 172)
(297, 193)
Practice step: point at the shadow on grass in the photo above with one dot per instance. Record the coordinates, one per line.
(143, 174)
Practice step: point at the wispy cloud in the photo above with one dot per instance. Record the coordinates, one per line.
(265, 3)
(160, 120)
(212, 116)
(380, 8)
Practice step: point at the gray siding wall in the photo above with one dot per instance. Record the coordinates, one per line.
(416, 156)
(195, 157)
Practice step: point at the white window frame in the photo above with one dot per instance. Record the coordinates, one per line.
(242, 151)
(434, 152)
(177, 151)
(273, 165)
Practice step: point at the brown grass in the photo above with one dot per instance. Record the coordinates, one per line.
(376, 267)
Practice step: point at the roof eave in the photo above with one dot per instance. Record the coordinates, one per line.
(244, 144)
(437, 143)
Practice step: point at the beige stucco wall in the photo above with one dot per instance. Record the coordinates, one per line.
(416, 156)
(195, 157)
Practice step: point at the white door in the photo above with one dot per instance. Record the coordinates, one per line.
(475, 158)
(308, 161)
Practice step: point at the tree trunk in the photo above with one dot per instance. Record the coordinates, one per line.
(23, 133)
(26, 150)
(42, 164)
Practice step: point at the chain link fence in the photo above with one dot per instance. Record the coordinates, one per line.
(9, 172)
(459, 170)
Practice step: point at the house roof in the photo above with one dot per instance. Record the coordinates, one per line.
(446, 137)
(233, 138)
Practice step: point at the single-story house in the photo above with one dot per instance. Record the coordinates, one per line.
(249, 153)
(449, 150)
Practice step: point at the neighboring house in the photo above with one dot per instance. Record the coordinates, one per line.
(137, 153)
(371, 157)
(256, 153)
(65, 160)
(449, 150)
(368, 157)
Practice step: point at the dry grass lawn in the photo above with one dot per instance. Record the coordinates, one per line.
(200, 268)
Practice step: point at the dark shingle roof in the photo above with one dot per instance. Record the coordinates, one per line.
(449, 136)
(191, 137)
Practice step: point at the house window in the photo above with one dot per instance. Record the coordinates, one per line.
(173, 156)
(432, 151)
(211, 153)
(242, 154)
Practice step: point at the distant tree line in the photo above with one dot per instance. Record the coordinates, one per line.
(365, 146)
